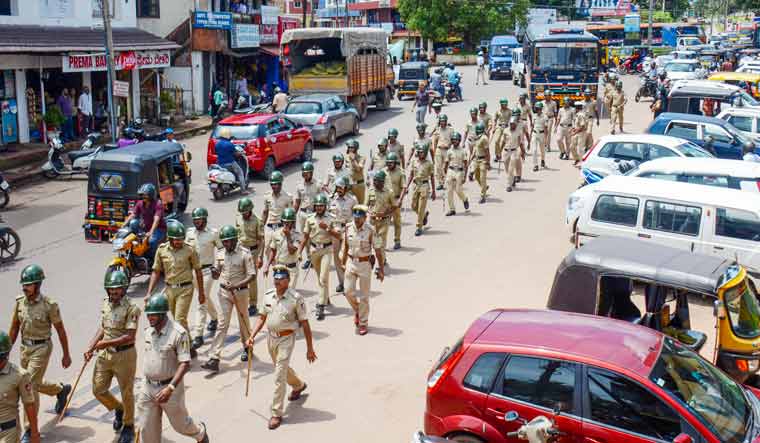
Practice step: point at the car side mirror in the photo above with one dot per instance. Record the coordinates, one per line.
(511, 416)
(683, 438)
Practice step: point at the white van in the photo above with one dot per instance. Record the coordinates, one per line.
(518, 67)
(703, 219)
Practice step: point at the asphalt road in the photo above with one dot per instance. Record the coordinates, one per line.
(501, 254)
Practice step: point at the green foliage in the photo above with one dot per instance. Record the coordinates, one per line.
(167, 101)
(658, 16)
(54, 117)
(472, 20)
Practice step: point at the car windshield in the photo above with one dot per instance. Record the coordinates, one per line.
(564, 58)
(707, 392)
(748, 99)
(239, 132)
(743, 310)
(501, 51)
(681, 67)
(303, 108)
(692, 150)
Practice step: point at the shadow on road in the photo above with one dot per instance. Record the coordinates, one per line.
(296, 413)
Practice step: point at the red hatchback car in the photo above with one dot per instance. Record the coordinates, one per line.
(610, 382)
(269, 139)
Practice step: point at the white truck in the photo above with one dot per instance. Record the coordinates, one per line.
(518, 67)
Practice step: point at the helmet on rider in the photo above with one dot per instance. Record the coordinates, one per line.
(228, 232)
(147, 190)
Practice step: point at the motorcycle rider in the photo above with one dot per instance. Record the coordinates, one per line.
(150, 211)
(453, 79)
(436, 82)
(225, 157)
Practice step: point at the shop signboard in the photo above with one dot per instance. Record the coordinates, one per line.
(268, 34)
(632, 29)
(57, 8)
(245, 36)
(122, 61)
(212, 20)
(269, 15)
(285, 23)
(120, 88)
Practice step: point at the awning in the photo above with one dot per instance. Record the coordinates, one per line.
(41, 39)
(273, 50)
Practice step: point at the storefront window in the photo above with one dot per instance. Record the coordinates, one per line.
(8, 7)
(148, 8)
(8, 108)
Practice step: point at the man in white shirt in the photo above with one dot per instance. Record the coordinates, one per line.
(280, 100)
(481, 61)
(749, 153)
(85, 107)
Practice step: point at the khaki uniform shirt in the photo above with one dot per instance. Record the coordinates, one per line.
(379, 202)
(540, 123)
(251, 231)
(165, 350)
(396, 179)
(398, 148)
(306, 193)
(117, 320)
(284, 313)
(566, 117)
(36, 319)
(550, 109)
(456, 158)
(378, 159)
(205, 243)
(608, 89)
(277, 204)
(425, 140)
(235, 266)
(341, 208)
(279, 243)
(333, 175)
(176, 264)
(481, 148)
(618, 99)
(442, 138)
(359, 240)
(524, 110)
(581, 121)
(486, 119)
(470, 130)
(422, 171)
(316, 233)
(502, 117)
(15, 384)
(512, 139)
(589, 107)
(357, 171)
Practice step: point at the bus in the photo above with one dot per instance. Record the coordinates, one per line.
(562, 58)
(613, 35)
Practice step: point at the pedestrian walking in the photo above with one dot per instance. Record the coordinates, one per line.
(114, 345)
(356, 164)
(515, 153)
(485, 118)
(470, 136)
(377, 157)
(422, 138)
(380, 204)
(421, 174)
(166, 360)
(341, 208)
(335, 173)
(205, 240)
(579, 134)
(34, 317)
(284, 245)
(275, 204)
(66, 106)
(481, 75)
(397, 179)
(539, 137)
(441, 142)
(421, 103)
(16, 385)
(592, 112)
(280, 100)
(85, 110)
(251, 237)
(284, 312)
(550, 111)
(526, 113)
(234, 268)
(524, 129)
(455, 165)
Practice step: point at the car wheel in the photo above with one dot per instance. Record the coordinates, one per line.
(308, 152)
(268, 168)
(355, 129)
(10, 245)
(332, 138)
(465, 438)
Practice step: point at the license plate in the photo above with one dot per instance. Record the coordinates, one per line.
(213, 185)
(4, 185)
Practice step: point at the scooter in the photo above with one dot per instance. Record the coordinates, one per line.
(631, 65)
(10, 243)
(221, 181)
(5, 195)
(80, 160)
(648, 88)
(452, 92)
(131, 247)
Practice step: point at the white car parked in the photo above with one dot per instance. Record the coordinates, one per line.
(733, 174)
(685, 70)
(744, 119)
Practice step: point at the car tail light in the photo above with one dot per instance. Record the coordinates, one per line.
(585, 156)
(322, 120)
(448, 361)
(99, 209)
(758, 185)
(211, 152)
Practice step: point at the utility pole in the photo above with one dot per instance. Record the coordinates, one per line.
(650, 20)
(105, 8)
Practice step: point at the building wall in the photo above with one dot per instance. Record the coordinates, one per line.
(74, 13)
(172, 13)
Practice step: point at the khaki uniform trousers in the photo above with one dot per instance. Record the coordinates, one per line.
(549, 130)
(180, 300)
(512, 161)
(359, 190)
(381, 232)
(481, 175)
(229, 300)
(608, 106)
(498, 141)
(538, 144)
(396, 216)
(617, 117)
(123, 366)
(578, 145)
(337, 249)
(455, 184)
(281, 349)
(564, 139)
(253, 286)
(321, 261)
(35, 360)
(150, 414)
(419, 202)
(440, 157)
(361, 271)
(207, 309)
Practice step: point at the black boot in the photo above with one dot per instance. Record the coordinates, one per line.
(466, 205)
(27, 437)
(244, 355)
(252, 310)
(212, 325)
(197, 342)
(418, 232)
(509, 189)
(535, 168)
(211, 365)
(339, 288)
(396, 245)
(543, 164)
(425, 219)
(450, 213)
(127, 434)
(482, 200)
(60, 399)
(118, 419)
(193, 352)
(320, 312)
(518, 178)
(306, 264)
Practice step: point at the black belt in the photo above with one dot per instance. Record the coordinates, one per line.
(512, 149)
(423, 182)
(7, 425)
(291, 265)
(305, 209)
(123, 347)
(321, 245)
(359, 182)
(252, 248)
(444, 147)
(456, 169)
(206, 266)
(481, 157)
(32, 342)
(274, 225)
(158, 382)
(180, 285)
(538, 132)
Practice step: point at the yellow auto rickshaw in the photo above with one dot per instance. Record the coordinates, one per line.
(739, 79)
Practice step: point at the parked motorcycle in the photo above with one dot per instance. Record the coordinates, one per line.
(648, 88)
(221, 181)
(135, 133)
(10, 243)
(631, 65)
(5, 195)
(131, 247)
(79, 160)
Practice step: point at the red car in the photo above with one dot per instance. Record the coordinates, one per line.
(610, 381)
(269, 139)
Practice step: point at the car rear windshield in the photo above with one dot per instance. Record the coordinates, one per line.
(304, 108)
(681, 67)
(692, 150)
(239, 132)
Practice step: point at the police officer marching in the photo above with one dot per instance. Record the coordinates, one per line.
(283, 313)
(341, 208)
(565, 124)
(421, 174)
(320, 232)
(550, 111)
(356, 163)
(441, 143)
(397, 179)
(251, 236)
(422, 139)
(482, 160)
(396, 147)
(234, 267)
(524, 130)
(284, 246)
(515, 150)
(335, 173)
(205, 240)
(470, 136)
(377, 156)
(177, 261)
(455, 165)
(579, 135)
(15, 384)
(526, 116)
(34, 315)
(485, 118)
(166, 360)
(540, 136)
(501, 119)
(590, 108)
(114, 343)
(274, 205)
(305, 193)
(380, 204)
(618, 104)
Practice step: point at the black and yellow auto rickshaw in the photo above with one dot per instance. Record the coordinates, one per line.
(604, 276)
(410, 75)
(115, 176)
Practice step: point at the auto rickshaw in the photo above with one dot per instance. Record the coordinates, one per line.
(741, 79)
(410, 74)
(711, 59)
(115, 176)
(603, 276)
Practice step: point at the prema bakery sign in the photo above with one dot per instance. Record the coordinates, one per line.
(123, 61)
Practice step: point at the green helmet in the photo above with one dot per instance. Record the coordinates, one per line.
(307, 167)
(456, 136)
(443, 118)
(516, 111)
(245, 205)
(157, 304)
(480, 128)
(147, 189)
(352, 144)
(420, 147)
(116, 279)
(32, 274)
(393, 132)
(421, 127)
(392, 157)
(382, 142)
(289, 215)
(228, 232)
(436, 105)
(175, 230)
(539, 105)
(379, 176)
(320, 200)
(338, 157)
(199, 213)
(5, 344)
(619, 84)
(342, 182)
(473, 110)
(504, 101)
(275, 178)
(483, 105)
